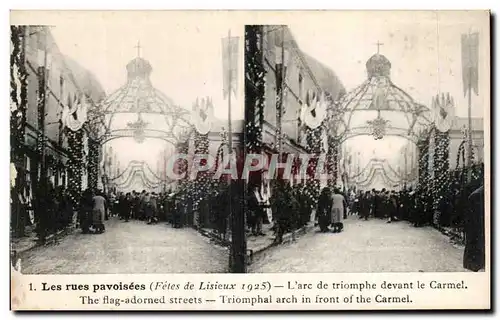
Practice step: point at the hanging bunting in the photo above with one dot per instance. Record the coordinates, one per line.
(74, 114)
(443, 106)
(202, 115)
(314, 110)
(470, 62)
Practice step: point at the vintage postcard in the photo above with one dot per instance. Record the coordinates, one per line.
(250, 160)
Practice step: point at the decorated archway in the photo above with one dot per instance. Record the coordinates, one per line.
(140, 116)
(137, 174)
(375, 120)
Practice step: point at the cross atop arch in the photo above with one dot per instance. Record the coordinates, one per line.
(138, 47)
(378, 44)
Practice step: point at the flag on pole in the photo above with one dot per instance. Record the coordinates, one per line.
(281, 56)
(230, 47)
(470, 61)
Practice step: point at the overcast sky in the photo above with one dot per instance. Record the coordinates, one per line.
(424, 49)
(186, 58)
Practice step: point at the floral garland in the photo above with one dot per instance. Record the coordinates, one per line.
(41, 139)
(93, 169)
(75, 164)
(312, 186)
(183, 148)
(332, 161)
(218, 159)
(201, 185)
(424, 186)
(18, 93)
(441, 172)
(254, 89)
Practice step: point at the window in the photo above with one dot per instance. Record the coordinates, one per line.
(61, 85)
(301, 84)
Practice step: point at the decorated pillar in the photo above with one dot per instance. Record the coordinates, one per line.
(18, 93)
(93, 165)
(18, 108)
(75, 165)
(74, 117)
(313, 113)
(254, 90)
(182, 168)
(424, 186)
(332, 161)
(444, 113)
(202, 117)
(335, 129)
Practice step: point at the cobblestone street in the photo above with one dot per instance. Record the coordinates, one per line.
(365, 246)
(128, 247)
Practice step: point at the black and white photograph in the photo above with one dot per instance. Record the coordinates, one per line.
(393, 115)
(249, 160)
(98, 110)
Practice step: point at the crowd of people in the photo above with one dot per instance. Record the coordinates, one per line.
(57, 205)
(386, 204)
(150, 207)
(287, 207)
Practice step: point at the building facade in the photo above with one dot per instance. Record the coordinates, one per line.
(274, 103)
(53, 82)
(302, 73)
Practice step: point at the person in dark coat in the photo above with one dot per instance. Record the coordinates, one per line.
(18, 211)
(375, 203)
(474, 253)
(281, 205)
(256, 209)
(85, 212)
(324, 209)
(404, 204)
(66, 208)
(392, 206)
(365, 202)
(126, 207)
(120, 207)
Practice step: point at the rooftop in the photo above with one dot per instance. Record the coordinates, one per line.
(328, 80)
(85, 79)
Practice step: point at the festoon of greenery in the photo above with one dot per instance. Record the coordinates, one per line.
(184, 187)
(201, 185)
(441, 181)
(332, 160)
(43, 200)
(285, 205)
(75, 165)
(93, 169)
(18, 93)
(312, 186)
(424, 186)
(254, 89)
(215, 184)
(333, 140)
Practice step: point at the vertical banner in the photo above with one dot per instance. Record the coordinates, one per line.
(470, 62)
(230, 64)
